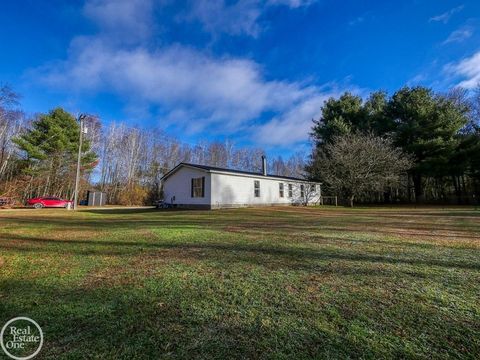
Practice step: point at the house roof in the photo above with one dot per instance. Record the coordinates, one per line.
(232, 171)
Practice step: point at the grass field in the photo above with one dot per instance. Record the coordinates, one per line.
(285, 282)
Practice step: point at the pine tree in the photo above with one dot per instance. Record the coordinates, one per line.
(50, 147)
(426, 127)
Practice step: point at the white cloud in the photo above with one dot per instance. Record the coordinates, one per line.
(356, 21)
(230, 92)
(294, 125)
(417, 79)
(445, 17)
(235, 18)
(459, 35)
(468, 69)
(132, 20)
(129, 20)
(194, 91)
(291, 3)
(364, 17)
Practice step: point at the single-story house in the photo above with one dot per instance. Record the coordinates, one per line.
(200, 186)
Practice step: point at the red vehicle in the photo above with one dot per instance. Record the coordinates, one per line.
(48, 201)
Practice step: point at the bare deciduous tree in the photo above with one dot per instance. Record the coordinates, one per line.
(354, 164)
(11, 123)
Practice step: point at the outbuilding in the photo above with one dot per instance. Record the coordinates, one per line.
(208, 187)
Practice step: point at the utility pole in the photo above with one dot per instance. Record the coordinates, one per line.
(79, 158)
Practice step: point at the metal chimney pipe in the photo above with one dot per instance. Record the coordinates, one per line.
(264, 165)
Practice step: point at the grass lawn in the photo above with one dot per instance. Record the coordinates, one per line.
(287, 282)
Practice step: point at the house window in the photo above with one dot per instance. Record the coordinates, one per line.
(256, 185)
(302, 190)
(280, 189)
(290, 190)
(198, 187)
(312, 188)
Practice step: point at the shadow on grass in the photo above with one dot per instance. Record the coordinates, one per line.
(202, 315)
(164, 319)
(253, 224)
(305, 258)
(151, 323)
(131, 211)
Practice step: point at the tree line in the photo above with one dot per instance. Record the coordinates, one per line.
(414, 146)
(38, 156)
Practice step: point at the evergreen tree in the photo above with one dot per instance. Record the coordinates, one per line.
(51, 147)
(473, 156)
(427, 127)
(436, 131)
(339, 117)
(376, 119)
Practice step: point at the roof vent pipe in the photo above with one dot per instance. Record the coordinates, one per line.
(264, 165)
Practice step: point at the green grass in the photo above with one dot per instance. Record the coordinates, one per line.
(286, 282)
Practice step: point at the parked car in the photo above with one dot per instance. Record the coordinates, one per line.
(50, 201)
(160, 204)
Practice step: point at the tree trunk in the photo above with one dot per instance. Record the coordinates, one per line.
(464, 190)
(387, 196)
(409, 188)
(417, 184)
(476, 191)
(351, 200)
(458, 190)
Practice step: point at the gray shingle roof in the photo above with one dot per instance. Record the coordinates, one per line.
(233, 171)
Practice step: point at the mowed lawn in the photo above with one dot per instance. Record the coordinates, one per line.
(286, 282)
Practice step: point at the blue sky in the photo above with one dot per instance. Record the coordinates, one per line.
(255, 72)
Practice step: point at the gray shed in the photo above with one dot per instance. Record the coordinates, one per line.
(96, 198)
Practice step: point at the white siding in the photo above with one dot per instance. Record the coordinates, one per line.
(178, 185)
(238, 190)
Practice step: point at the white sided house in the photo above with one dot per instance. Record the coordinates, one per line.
(207, 187)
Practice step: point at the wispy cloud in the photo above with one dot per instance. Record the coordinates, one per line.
(445, 17)
(212, 93)
(195, 91)
(467, 69)
(417, 79)
(216, 16)
(240, 17)
(459, 35)
(366, 16)
(294, 125)
(128, 20)
(291, 3)
(356, 21)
